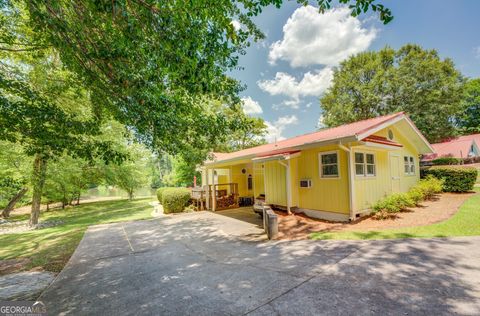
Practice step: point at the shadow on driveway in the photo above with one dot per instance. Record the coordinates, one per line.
(189, 264)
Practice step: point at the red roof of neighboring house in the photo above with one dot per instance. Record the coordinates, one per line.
(475, 137)
(348, 130)
(458, 147)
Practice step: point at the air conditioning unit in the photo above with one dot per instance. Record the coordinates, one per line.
(305, 183)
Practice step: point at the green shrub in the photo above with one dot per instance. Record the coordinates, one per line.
(457, 179)
(160, 193)
(417, 194)
(174, 200)
(446, 161)
(392, 204)
(425, 189)
(429, 187)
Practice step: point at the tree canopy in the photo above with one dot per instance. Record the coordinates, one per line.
(152, 63)
(410, 79)
(469, 118)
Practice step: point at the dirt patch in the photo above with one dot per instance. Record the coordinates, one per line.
(299, 226)
(13, 265)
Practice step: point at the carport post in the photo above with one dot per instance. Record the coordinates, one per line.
(207, 194)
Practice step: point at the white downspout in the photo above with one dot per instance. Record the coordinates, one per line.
(289, 187)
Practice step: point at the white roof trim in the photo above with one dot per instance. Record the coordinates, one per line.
(393, 121)
(409, 121)
(276, 157)
(380, 127)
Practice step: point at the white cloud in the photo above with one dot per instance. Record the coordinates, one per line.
(310, 38)
(312, 84)
(275, 129)
(251, 106)
(320, 123)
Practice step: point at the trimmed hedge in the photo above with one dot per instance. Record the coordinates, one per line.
(457, 179)
(160, 192)
(174, 200)
(447, 161)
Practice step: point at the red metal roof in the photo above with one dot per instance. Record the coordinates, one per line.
(347, 130)
(381, 140)
(458, 147)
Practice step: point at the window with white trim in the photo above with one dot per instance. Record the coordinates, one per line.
(329, 164)
(409, 165)
(365, 164)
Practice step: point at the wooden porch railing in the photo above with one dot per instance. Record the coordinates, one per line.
(220, 196)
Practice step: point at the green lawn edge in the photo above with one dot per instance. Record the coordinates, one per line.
(466, 222)
(51, 248)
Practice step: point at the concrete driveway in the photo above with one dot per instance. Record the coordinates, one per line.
(203, 264)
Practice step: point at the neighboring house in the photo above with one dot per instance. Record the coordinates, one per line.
(334, 174)
(462, 147)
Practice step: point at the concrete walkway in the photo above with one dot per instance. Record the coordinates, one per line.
(201, 264)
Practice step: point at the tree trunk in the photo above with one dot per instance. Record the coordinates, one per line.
(130, 195)
(38, 181)
(13, 201)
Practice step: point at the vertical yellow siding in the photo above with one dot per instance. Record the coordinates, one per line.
(325, 194)
(258, 181)
(275, 183)
(242, 178)
(294, 181)
(369, 190)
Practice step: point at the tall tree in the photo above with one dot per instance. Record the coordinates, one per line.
(149, 63)
(469, 119)
(411, 79)
(67, 178)
(246, 131)
(15, 171)
(131, 174)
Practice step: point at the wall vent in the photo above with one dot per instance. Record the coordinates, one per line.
(305, 183)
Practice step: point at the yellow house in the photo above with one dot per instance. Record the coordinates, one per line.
(334, 174)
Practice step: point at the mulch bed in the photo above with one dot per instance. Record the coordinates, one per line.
(299, 226)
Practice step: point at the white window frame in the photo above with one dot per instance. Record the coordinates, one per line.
(365, 164)
(320, 165)
(410, 163)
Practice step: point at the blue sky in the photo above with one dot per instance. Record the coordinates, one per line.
(287, 72)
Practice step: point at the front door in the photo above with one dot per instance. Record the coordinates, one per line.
(395, 172)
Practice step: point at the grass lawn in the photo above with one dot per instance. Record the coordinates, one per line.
(466, 222)
(50, 248)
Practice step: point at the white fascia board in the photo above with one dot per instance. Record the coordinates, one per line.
(380, 127)
(213, 163)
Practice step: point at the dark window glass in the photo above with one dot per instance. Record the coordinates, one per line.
(358, 158)
(329, 159)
